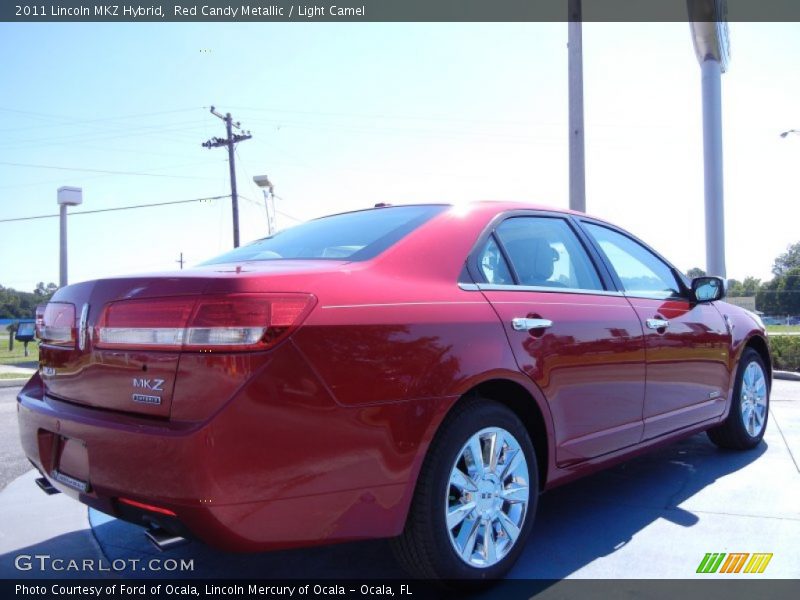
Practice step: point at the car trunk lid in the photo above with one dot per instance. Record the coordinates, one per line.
(123, 366)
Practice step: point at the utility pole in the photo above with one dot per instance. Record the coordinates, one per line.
(577, 158)
(229, 141)
(180, 261)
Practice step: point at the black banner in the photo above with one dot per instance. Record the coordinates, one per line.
(398, 10)
(511, 589)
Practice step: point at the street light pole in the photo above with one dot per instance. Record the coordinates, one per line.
(712, 49)
(65, 196)
(268, 190)
(794, 131)
(577, 157)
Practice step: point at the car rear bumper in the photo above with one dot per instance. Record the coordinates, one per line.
(255, 476)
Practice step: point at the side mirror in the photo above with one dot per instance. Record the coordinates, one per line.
(708, 289)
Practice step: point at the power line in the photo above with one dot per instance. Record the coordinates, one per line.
(108, 172)
(71, 121)
(280, 212)
(358, 115)
(103, 210)
(150, 130)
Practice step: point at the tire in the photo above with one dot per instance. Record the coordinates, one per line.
(746, 422)
(429, 549)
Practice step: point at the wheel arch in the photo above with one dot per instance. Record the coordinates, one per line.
(523, 404)
(761, 346)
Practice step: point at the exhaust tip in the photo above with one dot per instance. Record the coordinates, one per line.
(163, 539)
(46, 486)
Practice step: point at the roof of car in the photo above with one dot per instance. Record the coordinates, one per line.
(496, 205)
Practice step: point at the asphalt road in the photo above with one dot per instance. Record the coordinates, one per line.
(12, 462)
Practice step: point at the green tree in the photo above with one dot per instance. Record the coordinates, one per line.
(734, 289)
(768, 298)
(787, 261)
(748, 287)
(695, 272)
(791, 291)
(45, 290)
(19, 305)
(781, 296)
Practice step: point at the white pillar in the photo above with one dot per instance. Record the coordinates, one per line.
(65, 196)
(711, 74)
(577, 160)
(62, 270)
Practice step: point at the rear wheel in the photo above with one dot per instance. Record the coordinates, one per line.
(747, 419)
(475, 499)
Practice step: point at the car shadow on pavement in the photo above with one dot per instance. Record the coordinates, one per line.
(575, 525)
(596, 516)
(35, 561)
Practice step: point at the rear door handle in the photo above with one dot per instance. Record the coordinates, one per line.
(525, 324)
(657, 323)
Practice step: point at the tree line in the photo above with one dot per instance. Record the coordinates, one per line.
(22, 305)
(780, 295)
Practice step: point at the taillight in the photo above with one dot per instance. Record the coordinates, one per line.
(207, 323)
(57, 326)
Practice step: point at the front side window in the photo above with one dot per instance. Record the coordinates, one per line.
(641, 272)
(544, 252)
(351, 236)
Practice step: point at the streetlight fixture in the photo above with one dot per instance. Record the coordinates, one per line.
(268, 190)
(66, 196)
(785, 133)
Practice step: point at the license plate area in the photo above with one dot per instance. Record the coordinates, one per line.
(72, 468)
(76, 484)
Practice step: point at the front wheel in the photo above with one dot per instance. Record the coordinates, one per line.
(746, 422)
(475, 499)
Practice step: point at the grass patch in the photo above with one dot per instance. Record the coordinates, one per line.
(17, 355)
(21, 376)
(783, 328)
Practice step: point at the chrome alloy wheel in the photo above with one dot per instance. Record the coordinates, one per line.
(754, 399)
(487, 497)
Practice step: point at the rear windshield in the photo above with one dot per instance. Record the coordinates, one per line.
(349, 236)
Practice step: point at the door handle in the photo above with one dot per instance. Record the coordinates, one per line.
(657, 323)
(525, 324)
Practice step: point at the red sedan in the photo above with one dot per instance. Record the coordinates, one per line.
(417, 372)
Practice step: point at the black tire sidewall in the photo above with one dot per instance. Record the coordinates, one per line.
(469, 422)
(736, 418)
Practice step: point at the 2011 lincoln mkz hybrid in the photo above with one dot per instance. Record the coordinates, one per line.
(417, 372)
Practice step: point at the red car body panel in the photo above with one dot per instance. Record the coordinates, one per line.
(321, 438)
(592, 355)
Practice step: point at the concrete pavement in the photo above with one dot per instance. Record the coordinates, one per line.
(12, 462)
(653, 517)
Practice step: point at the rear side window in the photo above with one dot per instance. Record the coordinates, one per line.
(544, 252)
(641, 272)
(493, 265)
(349, 236)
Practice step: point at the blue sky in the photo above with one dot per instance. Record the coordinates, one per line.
(347, 115)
